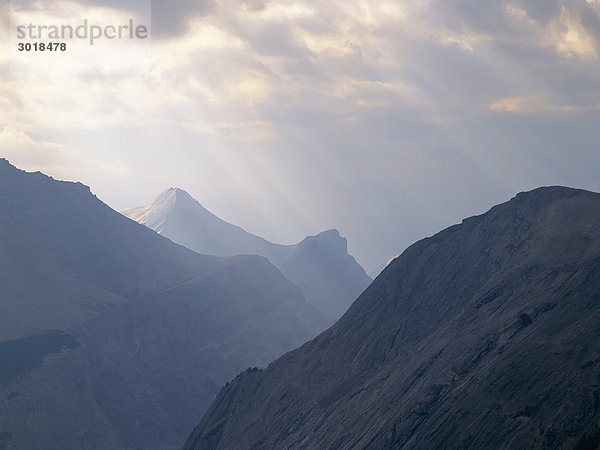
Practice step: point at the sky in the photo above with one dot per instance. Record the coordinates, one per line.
(388, 120)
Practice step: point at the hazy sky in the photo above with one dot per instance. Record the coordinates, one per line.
(388, 120)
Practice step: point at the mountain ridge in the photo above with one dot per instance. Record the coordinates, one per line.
(484, 335)
(320, 264)
(112, 336)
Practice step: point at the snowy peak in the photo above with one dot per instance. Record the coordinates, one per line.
(156, 214)
(320, 264)
(177, 215)
(168, 196)
(183, 196)
(163, 204)
(178, 197)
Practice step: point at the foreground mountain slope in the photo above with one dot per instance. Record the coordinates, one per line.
(320, 265)
(486, 335)
(115, 337)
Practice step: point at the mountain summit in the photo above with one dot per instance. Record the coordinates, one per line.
(112, 336)
(320, 265)
(177, 216)
(485, 335)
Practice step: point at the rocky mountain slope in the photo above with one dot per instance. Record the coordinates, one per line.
(112, 336)
(320, 265)
(486, 335)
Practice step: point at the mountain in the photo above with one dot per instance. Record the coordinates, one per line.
(112, 336)
(330, 277)
(320, 265)
(486, 335)
(177, 216)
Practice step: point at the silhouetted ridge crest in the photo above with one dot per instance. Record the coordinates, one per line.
(35, 181)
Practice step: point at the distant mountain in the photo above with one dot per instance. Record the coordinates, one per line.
(330, 277)
(320, 265)
(176, 215)
(486, 335)
(112, 336)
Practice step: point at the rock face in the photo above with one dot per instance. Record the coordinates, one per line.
(320, 265)
(112, 336)
(486, 335)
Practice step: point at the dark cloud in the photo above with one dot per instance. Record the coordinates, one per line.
(169, 18)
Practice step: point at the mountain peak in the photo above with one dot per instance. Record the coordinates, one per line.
(6, 167)
(481, 336)
(141, 310)
(35, 180)
(334, 239)
(330, 234)
(320, 264)
(177, 191)
(546, 194)
(175, 196)
(529, 203)
(184, 196)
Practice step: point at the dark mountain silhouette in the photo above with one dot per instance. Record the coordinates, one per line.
(486, 335)
(112, 336)
(320, 265)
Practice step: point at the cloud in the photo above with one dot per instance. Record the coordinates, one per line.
(531, 104)
(169, 19)
(539, 104)
(388, 119)
(29, 152)
(518, 105)
(573, 38)
(11, 137)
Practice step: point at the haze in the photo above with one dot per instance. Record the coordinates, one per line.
(385, 120)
